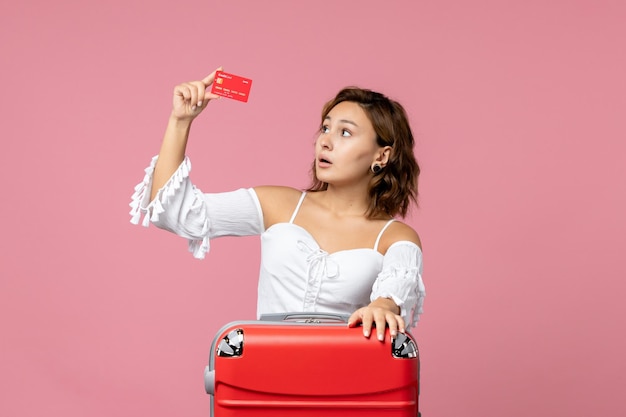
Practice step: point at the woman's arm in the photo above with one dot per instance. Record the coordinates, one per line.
(168, 199)
(190, 99)
(393, 284)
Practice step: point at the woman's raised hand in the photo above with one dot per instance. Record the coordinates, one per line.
(189, 101)
(192, 97)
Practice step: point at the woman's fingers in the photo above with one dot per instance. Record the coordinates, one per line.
(392, 322)
(395, 324)
(191, 98)
(401, 324)
(364, 316)
(208, 80)
(194, 89)
(380, 318)
(182, 92)
(186, 93)
(367, 319)
(355, 319)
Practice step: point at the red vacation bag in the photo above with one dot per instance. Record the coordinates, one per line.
(303, 365)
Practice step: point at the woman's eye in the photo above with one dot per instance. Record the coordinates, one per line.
(324, 129)
(345, 133)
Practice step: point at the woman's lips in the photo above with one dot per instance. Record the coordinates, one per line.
(323, 162)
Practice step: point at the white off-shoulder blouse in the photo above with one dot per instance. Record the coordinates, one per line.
(296, 275)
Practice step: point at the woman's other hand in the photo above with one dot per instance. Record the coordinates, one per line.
(381, 312)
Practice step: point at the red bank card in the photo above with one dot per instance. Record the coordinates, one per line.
(231, 86)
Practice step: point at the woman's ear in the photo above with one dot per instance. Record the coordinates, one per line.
(383, 155)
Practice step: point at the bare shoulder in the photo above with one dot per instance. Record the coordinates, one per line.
(397, 232)
(277, 202)
(277, 191)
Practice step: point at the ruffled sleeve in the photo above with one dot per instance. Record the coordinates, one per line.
(401, 280)
(181, 208)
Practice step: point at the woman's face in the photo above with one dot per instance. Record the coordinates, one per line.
(346, 146)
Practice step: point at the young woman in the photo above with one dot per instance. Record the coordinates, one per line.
(334, 248)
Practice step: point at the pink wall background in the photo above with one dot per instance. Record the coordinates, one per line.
(518, 109)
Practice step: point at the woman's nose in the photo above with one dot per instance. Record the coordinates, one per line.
(325, 141)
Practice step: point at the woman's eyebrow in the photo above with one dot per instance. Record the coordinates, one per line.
(343, 121)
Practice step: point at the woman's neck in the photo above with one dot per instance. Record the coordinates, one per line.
(343, 201)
